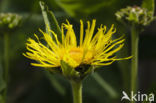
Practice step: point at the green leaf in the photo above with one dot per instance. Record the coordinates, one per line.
(51, 23)
(55, 83)
(105, 85)
(50, 20)
(83, 7)
(149, 5)
(4, 5)
(1, 99)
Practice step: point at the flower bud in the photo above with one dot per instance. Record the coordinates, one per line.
(135, 15)
(9, 21)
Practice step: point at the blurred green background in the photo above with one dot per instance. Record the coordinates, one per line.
(29, 84)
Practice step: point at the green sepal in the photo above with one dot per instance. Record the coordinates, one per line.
(78, 73)
(133, 17)
(69, 72)
(87, 70)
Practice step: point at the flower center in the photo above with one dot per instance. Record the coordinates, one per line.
(76, 54)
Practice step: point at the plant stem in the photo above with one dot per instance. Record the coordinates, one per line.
(77, 91)
(6, 63)
(134, 65)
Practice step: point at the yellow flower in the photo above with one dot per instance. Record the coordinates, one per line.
(93, 48)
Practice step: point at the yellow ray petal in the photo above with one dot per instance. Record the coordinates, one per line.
(81, 32)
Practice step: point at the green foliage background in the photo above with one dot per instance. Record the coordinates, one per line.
(29, 84)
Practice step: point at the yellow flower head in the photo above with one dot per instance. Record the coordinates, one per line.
(93, 49)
